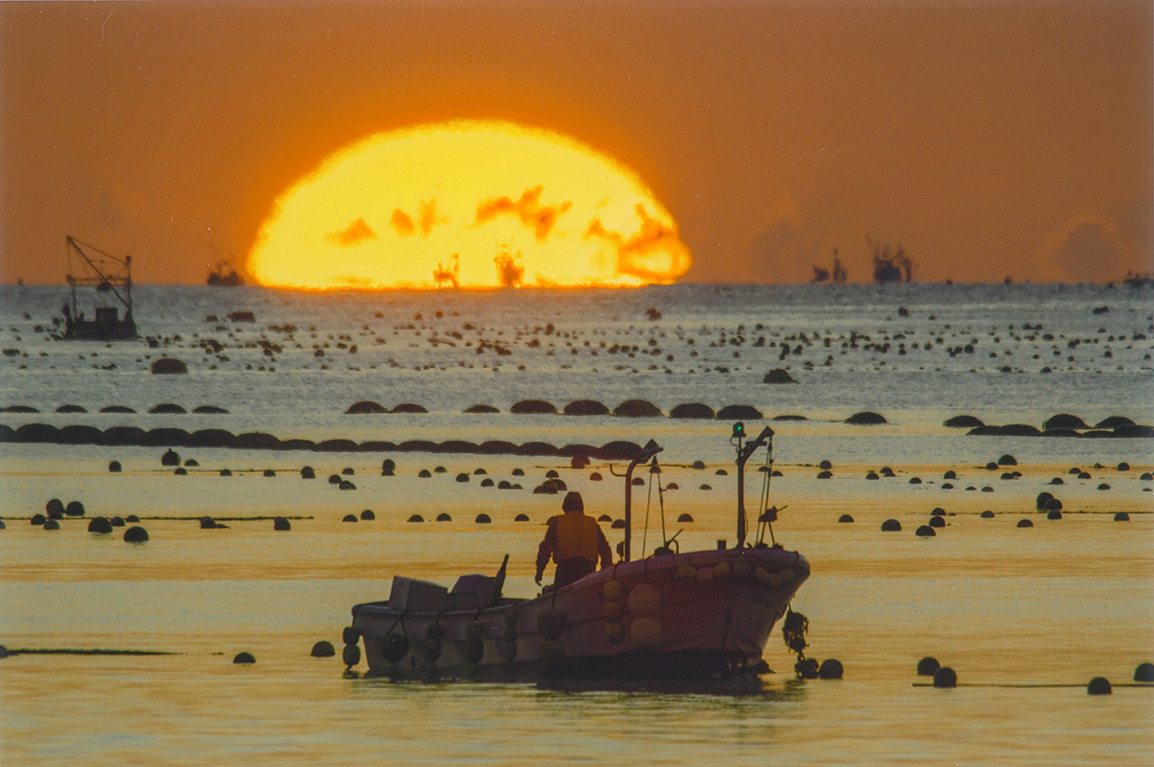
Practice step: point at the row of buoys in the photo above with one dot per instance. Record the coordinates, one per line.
(164, 408)
(946, 677)
(1127, 430)
(633, 408)
(208, 438)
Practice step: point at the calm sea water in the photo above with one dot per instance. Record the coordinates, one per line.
(1025, 616)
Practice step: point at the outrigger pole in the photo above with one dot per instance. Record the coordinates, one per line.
(743, 454)
(651, 449)
(100, 278)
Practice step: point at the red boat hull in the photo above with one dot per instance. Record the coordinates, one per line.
(704, 613)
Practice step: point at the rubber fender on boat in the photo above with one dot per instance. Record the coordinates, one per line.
(511, 619)
(431, 650)
(612, 590)
(613, 610)
(435, 632)
(721, 569)
(705, 574)
(475, 630)
(351, 655)
(761, 575)
(687, 572)
(644, 600)
(742, 569)
(614, 633)
(552, 650)
(645, 631)
(350, 635)
(787, 575)
(551, 624)
(395, 647)
(508, 649)
(474, 650)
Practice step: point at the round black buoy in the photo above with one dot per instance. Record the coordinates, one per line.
(170, 458)
(348, 471)
(685, 517)
(845, 519)
(928, 666)
(1144, 672)
(181, 472)
(244, 657)
(937, 521)
(54, 505)
(483, 519)
(1123, 466)
(1099, 685)
(945, 677)
(462, 477)
(825, 465)
(915, 480)
(350, 518)
(38, 519)
(226, 472)
(334, 479)
(1055, 514)
(135, 535)
(346, 485)
(74, 509)
(830, 669)
(987, 514)
(207, 523)
(323, 649)
(51, 524)
(417, 518)
(424, 473)
(891, 526)
(1121, 516)
(132, 518)
(1025, 523)
(951, 474)
(442, 517)
(938, 512)
(280, 523)
(521, 518)
(269, 473)
(114, 467)
(117, 522)
(925, 531)
(307, 472)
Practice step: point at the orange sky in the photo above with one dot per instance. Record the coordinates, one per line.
(990, 139)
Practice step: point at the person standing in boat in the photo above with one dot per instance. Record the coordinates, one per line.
(574, 541)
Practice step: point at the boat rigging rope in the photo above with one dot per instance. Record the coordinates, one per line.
(763, 521)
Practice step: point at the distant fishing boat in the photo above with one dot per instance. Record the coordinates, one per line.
(838, 277)
(108, 275)
(224, 276)
(895, 267)
(699, 614)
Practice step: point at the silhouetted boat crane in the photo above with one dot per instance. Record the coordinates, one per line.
(96, 273)
(509, 274)
(443, 276)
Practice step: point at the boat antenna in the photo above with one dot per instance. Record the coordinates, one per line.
(644, 454)
(744, 451)
(769, 515)
(654, 476)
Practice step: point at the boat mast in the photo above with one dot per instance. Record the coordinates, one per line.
(651, 449)
(743, 454)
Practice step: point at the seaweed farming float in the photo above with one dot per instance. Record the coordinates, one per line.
(111, 279)
(671, 614)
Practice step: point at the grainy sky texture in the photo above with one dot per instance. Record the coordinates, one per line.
(991, 139)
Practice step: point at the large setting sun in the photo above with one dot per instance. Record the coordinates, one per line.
(468, 204)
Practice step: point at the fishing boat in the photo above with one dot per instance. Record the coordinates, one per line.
(110, 276)
(671, 614)
(224, 276)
